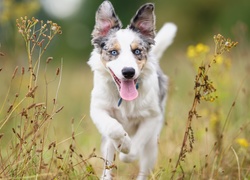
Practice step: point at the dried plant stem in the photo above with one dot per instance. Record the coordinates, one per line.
(30, 62)
(213, 167)
(52, 157)
(38, 67)
(59, 83)
(13, 110)
(233, 104)
(238, 164)
(6, 97)
(38, 36)
(42, 149)
(69, 138)
(42, 50)
(203, 89)
(8, 92)
(183, 150)
(192, 112)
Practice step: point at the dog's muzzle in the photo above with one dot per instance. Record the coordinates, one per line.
(127, 85)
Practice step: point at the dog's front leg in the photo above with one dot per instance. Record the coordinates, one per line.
(110, 128)
(108, 151)
(144, 145)
(114, 138)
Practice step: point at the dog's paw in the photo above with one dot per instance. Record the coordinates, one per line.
(120, 139)
(127, 158)
(122, 144)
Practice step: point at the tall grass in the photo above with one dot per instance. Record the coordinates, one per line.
(203, 90)
(27, 110)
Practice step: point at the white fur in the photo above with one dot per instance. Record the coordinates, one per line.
(132, 128)
(164, 39)
(126, 58)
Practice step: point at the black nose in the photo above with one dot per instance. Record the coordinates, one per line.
(128, 72)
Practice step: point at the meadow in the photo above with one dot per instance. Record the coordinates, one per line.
(46, 131)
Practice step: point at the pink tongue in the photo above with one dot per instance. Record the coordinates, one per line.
(128, 90)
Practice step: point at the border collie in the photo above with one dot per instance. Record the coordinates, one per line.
(129, 95)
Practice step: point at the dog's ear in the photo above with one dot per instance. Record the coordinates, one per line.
(106, 19)
(144, 21)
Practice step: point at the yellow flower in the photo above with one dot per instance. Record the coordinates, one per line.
(242, 142)
(197, 51)
(191, 52)
(202, 48)
(219, 59)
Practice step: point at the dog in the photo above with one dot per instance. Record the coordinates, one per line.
(129, 94)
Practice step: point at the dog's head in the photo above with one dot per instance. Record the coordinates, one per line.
(124, 52)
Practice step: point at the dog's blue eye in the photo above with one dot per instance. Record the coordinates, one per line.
(114, 52)
(137, 51)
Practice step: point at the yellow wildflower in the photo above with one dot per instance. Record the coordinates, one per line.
(202, 48)
(242, 142)
(197, 51)
(219, 59)
(191, 52)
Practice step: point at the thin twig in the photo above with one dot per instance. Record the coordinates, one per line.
(233, 105)
(238, 164)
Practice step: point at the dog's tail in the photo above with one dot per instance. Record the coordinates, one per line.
(164, 39)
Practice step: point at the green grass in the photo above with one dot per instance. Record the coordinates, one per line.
(52, 136)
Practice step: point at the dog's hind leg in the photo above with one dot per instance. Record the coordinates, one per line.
(108, 151)
(148, 156)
